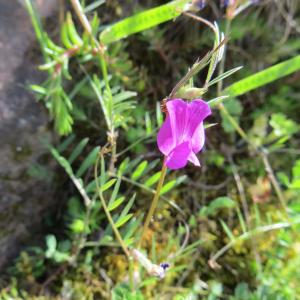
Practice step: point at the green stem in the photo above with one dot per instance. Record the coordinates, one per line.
(131, 273)
(108, 215)
(37, 26)
(114, 228)
(235, 124)
(249, 234)
(222, 62)
(100, 51)
(154, 202)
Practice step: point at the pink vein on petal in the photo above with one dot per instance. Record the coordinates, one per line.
(178, 113)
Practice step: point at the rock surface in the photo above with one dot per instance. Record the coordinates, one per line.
(24, 200)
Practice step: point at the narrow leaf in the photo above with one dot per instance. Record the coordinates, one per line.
(38, 89)
(171, 184)
(128, 206)
(168, 186)
(214, 102)
(108, 184)
(224, 75)
(242, 221)
(227, 231)
(62, 161)
(93, 5)
(142, 21)
(138, 172)
(64, 145)
(89, 161)
(115, 192)
(153, 179)
(132, 226)
(122, 220)
(116, 203)
(264, 77)
(78, 149)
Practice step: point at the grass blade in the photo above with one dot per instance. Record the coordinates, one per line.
(142, 21)
(264, 77)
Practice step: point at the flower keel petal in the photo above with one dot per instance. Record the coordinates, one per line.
(198, 138)
(178, 158)
(178, 111)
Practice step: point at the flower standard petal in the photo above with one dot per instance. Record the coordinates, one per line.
(178, 158)
(165, 140)
(178, 111)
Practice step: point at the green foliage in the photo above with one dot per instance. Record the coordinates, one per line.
(235, 109)
(282, 126)
(123, 292)
(226, 214)
(217, 204)
(282, 129)
(53, 251)
(142, 21)
(114, 108)
(264, 77)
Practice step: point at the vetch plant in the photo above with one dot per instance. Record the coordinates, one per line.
(180, 138)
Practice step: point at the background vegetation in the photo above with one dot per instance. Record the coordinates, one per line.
(228, 229)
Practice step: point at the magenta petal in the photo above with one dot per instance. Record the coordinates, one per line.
(165, 140)
(194, 159)
(198, 138)
(182, 133)
(178, 158)
(198, 110)
(178, 111)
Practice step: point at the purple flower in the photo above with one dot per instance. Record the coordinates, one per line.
(200, 4)
(182, 133)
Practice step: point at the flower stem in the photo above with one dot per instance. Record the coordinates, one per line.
(131, 273)
(154, 202)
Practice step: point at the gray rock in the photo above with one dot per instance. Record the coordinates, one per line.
(24, 200)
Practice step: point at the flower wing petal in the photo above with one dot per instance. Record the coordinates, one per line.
(198, 110)
(178, 158)
(165, 140)
(198, 138)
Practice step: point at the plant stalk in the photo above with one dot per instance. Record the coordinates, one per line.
(114, 228)
(108, 215)
(249, 234)
(100, 52)
(154, 203)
